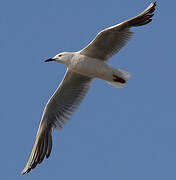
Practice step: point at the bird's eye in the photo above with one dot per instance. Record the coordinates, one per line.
(60, 55)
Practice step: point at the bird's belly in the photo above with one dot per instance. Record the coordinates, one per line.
(92, 68)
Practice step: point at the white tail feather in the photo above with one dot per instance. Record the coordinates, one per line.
(122, 74)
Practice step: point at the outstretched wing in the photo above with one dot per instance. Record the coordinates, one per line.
(112, 39)
(58, 110)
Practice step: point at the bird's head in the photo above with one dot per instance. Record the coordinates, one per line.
(63, 58)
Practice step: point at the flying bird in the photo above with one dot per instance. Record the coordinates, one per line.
(82, 67)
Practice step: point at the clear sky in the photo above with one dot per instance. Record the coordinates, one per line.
(125, 134)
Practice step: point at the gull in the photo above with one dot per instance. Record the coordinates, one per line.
(82, 67)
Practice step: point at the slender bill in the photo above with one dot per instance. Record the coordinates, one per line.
(50, 59)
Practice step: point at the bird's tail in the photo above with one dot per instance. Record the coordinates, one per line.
(119, 78)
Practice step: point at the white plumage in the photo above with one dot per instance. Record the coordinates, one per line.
(82, 67)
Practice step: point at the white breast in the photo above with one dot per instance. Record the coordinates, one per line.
(90, 67)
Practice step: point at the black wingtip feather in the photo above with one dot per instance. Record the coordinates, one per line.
(153, 7)
(49, 145)
(143, 18)
(42, 148)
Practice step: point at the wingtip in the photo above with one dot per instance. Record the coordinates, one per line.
(154, 3)
(41, 149)
(152, 7)
(24, 171)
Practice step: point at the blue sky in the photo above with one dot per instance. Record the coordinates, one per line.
(116, 133)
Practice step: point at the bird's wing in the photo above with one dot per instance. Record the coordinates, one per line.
(110, 40)
(58, 110)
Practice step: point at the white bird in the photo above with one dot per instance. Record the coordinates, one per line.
(82, 67)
